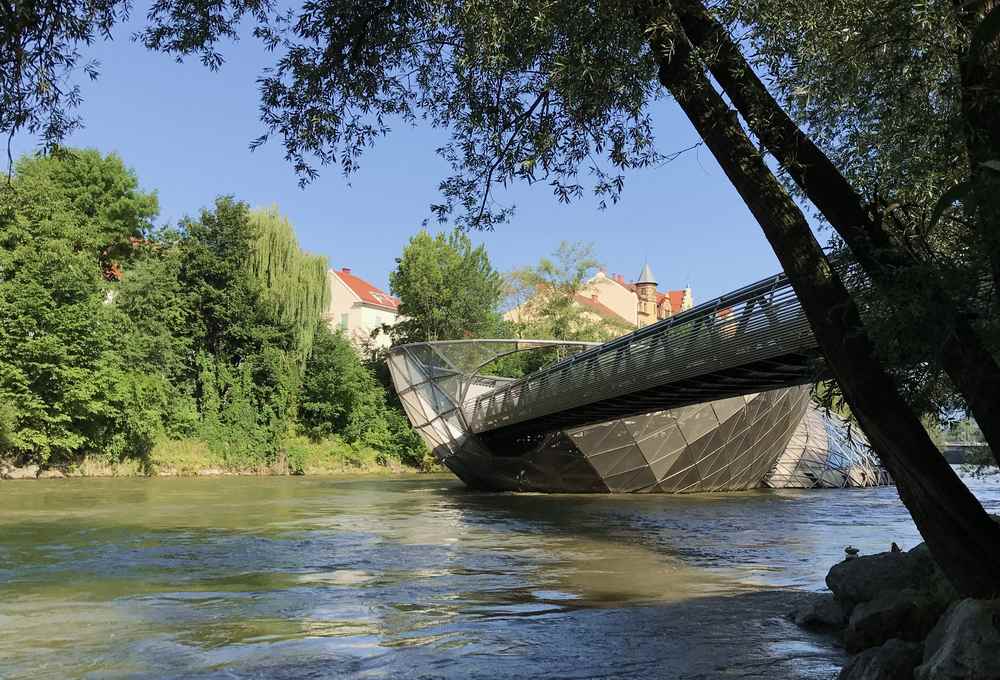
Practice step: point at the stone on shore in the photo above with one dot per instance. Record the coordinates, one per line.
(26, 472)
(905, 614)
(895, 660)
(865, 578)
(964, 644)
(50, 473)
(822, 612)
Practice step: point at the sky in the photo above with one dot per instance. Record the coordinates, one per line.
(185, 131)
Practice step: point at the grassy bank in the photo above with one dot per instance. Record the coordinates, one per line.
(194, 457)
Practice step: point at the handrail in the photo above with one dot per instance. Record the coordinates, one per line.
(759, 321)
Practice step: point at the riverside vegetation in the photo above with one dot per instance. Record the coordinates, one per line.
(127, 348)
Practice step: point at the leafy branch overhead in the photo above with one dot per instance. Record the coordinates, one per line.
(530, 91)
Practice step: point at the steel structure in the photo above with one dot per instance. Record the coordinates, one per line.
(707, 400)
(754, 339)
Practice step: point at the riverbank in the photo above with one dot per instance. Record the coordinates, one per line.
(903, 620)
(194, 458)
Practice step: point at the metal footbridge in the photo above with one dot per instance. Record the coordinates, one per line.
(753, 339)
(710, 399)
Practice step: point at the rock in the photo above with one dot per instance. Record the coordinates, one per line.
(26, 472)
(905, 614)
(823, 612)
(964, 644)
(50, 474)
(895, 660)
(211, 472)
(865, 578)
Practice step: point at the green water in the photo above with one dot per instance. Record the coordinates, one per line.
(250, 577)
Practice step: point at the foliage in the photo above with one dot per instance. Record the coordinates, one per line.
(40, 46)
(531, 91)
(879, 87)
(447, 289)
(342, 396)
(295, 281)
(548, 298)
(332, 455)
(61, 220)
(122, 342)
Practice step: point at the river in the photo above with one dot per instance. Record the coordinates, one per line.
(416, 577)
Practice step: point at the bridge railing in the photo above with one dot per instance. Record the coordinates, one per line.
(758, 322)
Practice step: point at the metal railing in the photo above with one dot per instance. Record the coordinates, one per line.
(755, 323)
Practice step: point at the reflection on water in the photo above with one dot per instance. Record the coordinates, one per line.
(417, 577)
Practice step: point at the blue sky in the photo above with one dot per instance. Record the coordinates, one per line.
(185, 131)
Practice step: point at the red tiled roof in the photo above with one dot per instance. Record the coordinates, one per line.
(600, 308)
(676, 299)
(368, 293)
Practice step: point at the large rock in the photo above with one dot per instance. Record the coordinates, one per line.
(905, 614)
(895, 660)
(822, 612)
(51, 473)
(964, 644)
(865, 578)
(26, 472)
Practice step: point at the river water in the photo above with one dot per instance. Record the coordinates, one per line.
(416, 577)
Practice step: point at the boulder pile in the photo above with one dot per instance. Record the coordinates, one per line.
(904, 620)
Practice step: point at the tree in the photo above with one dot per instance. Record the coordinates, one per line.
(885, 235)
(549, 296)
(959, 533)
(247, 352)
(294, 281)
(447, 289)
(62, 221)
(341, 396)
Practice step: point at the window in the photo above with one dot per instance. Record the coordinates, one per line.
(343, 322)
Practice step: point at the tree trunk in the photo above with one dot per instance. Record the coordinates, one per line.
(960, 534)
(979, 69)
(971, 366)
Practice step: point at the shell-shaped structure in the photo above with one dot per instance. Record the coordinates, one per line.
(825, 452)
(731, 444)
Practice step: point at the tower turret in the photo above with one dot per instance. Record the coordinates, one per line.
(645, 290)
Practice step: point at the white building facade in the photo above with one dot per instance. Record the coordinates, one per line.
(357, 308)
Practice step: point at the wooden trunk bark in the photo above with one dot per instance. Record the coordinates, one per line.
(973, 369)
(958, 531)
(979, 70)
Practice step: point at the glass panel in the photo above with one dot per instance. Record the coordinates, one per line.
(697, 422)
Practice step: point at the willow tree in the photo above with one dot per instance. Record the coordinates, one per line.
(294, 281)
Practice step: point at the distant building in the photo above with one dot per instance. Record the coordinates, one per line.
(640, 303)
(357, 307)
(634, 304)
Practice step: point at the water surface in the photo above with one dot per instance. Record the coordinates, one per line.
(247, 577)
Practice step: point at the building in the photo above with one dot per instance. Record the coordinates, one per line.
(357, 307)
(634, 304)
(639, 303)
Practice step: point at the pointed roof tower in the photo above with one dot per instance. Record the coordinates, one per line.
(647, 275)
